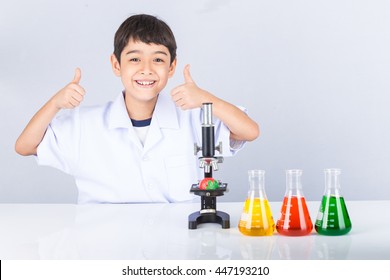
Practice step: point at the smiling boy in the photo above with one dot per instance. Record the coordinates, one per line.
(139, 147)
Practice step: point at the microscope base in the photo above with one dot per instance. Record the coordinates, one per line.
(219, 217)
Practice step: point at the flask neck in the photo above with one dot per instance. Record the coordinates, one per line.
(256, 184)
(332, 182)
(293, 182)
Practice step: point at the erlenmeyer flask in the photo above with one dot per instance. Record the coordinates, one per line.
(256, 217)
(332, 218)
(294, 217)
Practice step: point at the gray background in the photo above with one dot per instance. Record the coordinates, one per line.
(314, 74)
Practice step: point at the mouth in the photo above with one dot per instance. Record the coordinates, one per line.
(145, 83)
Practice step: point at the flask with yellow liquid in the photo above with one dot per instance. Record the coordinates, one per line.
(256, 217)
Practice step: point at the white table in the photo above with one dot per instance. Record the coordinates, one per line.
(160, 231)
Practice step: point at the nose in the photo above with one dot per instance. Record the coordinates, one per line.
(146, 68)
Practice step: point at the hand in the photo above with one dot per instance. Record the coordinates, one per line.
(189, 95)
(71, 95)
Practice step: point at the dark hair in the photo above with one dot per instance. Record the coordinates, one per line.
(147, 29)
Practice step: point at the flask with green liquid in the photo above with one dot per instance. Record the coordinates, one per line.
(333, 218)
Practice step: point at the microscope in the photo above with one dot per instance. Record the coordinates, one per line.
(209, 162)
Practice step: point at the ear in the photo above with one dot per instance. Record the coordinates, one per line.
(172, 68)
(116, 67)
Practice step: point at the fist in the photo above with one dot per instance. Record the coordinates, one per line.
(71, 95)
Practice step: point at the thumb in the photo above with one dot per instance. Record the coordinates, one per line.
(187, 75)
(77, 76)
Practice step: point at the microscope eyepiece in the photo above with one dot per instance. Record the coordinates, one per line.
(207, 114)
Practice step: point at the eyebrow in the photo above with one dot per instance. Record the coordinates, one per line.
(138, 51)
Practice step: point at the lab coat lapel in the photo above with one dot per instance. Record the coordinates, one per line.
(117, 118)
(164, 117)
(154, 136)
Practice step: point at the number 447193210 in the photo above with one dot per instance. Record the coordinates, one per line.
(242, 270)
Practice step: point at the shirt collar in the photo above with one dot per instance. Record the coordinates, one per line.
(165, 113)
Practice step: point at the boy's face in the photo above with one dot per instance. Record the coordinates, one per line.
(144, 69)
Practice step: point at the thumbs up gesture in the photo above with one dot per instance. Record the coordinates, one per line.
(71, 95)
(189, 95)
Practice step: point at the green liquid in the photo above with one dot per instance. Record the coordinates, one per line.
(333, 218)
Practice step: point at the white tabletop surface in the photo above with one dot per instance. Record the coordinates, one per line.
(160, 231)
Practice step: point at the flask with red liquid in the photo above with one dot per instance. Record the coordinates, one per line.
(294, 217)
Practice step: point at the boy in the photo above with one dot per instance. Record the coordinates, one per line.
(138, 148)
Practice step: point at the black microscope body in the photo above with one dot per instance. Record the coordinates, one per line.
(209, 162)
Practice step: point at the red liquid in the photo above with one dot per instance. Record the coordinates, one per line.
(295, 218)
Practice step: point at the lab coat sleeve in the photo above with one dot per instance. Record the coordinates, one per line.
(59, 146)
(222, 134)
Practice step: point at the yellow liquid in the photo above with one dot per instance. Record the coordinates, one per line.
(256, 218)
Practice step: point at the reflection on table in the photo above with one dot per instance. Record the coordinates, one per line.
(160, 231)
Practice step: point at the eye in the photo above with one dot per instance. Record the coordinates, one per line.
(134, 59)
(158, 60)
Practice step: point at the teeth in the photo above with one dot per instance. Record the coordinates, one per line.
(145, 83)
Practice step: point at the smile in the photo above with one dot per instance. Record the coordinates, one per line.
(145, 83)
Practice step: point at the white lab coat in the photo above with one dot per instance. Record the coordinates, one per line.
(100, 148)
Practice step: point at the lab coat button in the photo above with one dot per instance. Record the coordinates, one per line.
(146, 158)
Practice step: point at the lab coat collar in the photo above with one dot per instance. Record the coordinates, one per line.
(165, 113)
(117, 114)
